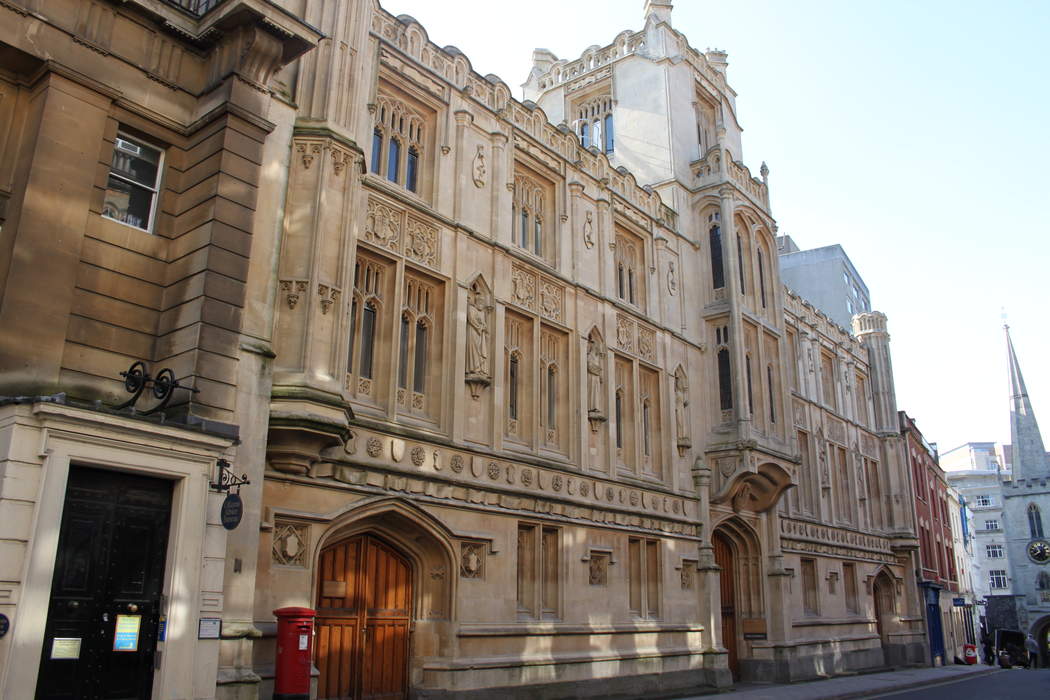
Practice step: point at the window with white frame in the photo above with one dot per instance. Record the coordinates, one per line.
(991, 524)
(594, 123)
(982, 501)
(997, 578)
(994, 551)
(134, 182)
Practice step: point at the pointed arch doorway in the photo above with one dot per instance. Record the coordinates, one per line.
(738, 553)
(882, 594)
(364, 609)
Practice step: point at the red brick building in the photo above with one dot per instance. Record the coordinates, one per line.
(938, 578)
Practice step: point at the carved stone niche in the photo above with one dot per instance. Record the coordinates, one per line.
(472, 560)
(599, 558)
(756, 483)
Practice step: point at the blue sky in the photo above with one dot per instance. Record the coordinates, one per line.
(913, 133)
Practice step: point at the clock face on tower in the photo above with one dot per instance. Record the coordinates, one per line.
(1039, 551)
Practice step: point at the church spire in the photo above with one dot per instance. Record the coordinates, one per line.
(1029, 455)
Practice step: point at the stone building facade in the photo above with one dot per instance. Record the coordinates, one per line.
(521, 397)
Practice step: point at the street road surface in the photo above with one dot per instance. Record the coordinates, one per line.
(1012, 684)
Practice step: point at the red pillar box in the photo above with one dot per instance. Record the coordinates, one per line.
(295, 638)
(970, 653)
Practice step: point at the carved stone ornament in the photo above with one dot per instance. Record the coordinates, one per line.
(588, 231)
(339, 160)
(329, 296)
(418, 455)
(552, 299)
(494, 470)
(374, 446)
(478, 167)
(307, 153)
(523, 285)
(421, 242)
(456, 463)
(290, 543)
(672, 278)
(293, 290)
(556, 482)
(681, 417)
(625, 333)
(647, 344)
(472, 560)
(383, 225)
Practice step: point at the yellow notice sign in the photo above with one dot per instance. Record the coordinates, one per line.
(65, 648)
(126, 636)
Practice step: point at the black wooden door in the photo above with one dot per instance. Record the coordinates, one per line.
(109, 570)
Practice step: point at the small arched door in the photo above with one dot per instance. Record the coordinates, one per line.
(882, 594)
(727, 584)
(364, 607)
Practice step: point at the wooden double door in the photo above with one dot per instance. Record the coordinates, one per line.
(364, 612)
(102, 626)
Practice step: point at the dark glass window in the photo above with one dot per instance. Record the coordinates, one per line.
(377, 150)
(718, 277)
(621, 283)
(608, 133)
(552, 396)
(630, 285)
(538, 236)
(772, 403)
(740, 262)
(402, 359)
(353, 333)
(619, 420)
(393, 160)
(585, 134)
(419, 371)
(762, 278)
(750, 399)
(368, 337)
(412, 169)
(646, 429)
(524, 232)
(1035, 521)
(513, 389)
(725, 381)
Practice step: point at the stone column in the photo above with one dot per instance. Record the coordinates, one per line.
(463, 120)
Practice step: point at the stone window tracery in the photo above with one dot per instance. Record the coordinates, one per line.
(366, 305)
(594, 123)
(416, 364)
(630, 258)
(1035, 521)
(398, 142)
(529, 215)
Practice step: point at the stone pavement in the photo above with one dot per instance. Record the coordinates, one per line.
(858, 686)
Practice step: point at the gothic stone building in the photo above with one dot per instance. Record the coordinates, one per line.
(522, 401)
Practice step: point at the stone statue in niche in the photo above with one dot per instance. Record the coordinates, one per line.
(477, 365)
(595, 380)
(478, 167)
(681, 417)
(672, 278)
(588, 231)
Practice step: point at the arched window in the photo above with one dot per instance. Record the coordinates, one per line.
(552, 397)
(619, 419)
(402, 358)
(1035, 521)
(621, 288)
(538, 236)
(412, 170)
(524, 231)
(750, 399)
(725, 383)
(630, 285)
(393, 160)
(647, 429)
(598, 135)
(512, 390)
(368, 338)
(585, 134)
(762, 279)
(718, 277)
(377, 149)
(772, 403)
(609, 133)
(419, 369)
(595, 121)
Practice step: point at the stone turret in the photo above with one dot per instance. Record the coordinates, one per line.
(870, 329)
(658, 10)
